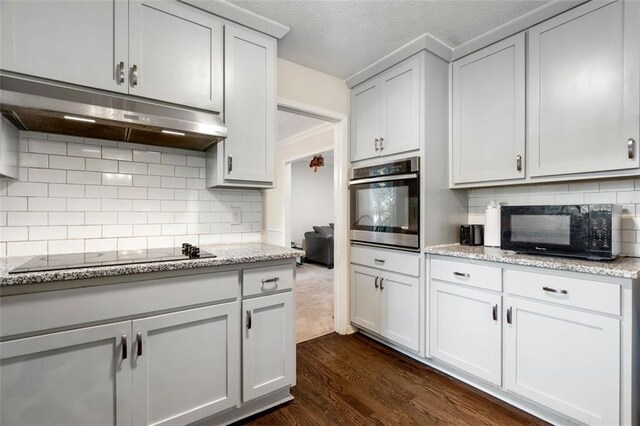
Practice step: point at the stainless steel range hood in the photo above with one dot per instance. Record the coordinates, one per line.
(42, 106)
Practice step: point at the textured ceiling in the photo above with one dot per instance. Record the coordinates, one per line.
(341, 37)
(290, 124)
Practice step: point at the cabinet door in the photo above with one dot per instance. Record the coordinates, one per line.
(186, 365)
(488, 108)
(564, 359)
(250, 105)
(268, 347)
(400, 108)
(80, 42)
(175, 52)
(466, 330)
(584, 81)
(77, 377)
(365, 297)
(400, 309)
(365, 120)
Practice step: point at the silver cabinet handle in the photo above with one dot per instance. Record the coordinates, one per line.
(631, 145)
(495, 312)
(376, 282)
(229, 164)
(271, 280)
(553, 290)
(381, 144)
(139, 344)
(461, 274)
(248, 320)
(519, 163)
(123, 343)
(509, 315)
(134, 75)
(375, 143)
(381, 281)
(121, 72)
(379, 261)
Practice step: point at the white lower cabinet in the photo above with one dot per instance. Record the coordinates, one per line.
(268, 345)
(386, 303)
(186, 365)
(563, 359)
(466, 330)
(73, 377)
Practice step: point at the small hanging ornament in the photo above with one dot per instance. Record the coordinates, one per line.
(316, 161)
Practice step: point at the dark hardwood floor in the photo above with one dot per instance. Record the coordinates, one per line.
(353, 380)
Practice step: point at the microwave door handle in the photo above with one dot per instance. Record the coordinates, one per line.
(383, 179)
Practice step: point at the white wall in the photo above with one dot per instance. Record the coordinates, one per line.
(78, 195)
(311, 198)
(618, 191)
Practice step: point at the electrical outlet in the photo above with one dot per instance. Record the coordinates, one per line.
(236, 215)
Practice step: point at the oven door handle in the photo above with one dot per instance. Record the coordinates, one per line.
(383, 179)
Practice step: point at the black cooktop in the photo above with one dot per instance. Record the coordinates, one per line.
(110, 258)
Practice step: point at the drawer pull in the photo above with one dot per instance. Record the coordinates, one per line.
(495, 312)
(271, 280)
(248, 320)
(553, 290)
(461, 274)
(379, 261)
(123, 342)
(376, 282)
(509, 315)
(139, 341)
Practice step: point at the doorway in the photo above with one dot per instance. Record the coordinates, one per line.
(325, 133)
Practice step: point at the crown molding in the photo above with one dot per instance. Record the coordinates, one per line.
(305, 134)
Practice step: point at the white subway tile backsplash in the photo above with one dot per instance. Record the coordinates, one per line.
(83, 150)
(87, 194)
(147, 156)
(599, 197)
(47, 175)
(49, 204)
(47, 147)
(86, 178)
(66, 163)
(96, 165)
(117, 179)
(116, 154)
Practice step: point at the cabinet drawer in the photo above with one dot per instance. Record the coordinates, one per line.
(576, 292)
(66, 308)
(487, 277)
(267, 280)
(389, 260)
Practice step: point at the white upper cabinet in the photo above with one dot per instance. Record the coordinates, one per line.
(175, 54)
(80, 42)
(400, 108)
(365, 121)
(488, 113)
(385, 112)
(583, 90)
(250, 105)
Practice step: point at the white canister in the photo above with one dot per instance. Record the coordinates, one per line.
(492, 224)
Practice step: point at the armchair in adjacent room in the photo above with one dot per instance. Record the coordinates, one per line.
(319, 245)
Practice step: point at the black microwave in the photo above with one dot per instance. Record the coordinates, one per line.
(588, 231)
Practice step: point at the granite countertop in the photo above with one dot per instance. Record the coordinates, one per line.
(227, 254)
(622, 267)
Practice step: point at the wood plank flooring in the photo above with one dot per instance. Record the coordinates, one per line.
(353, 380)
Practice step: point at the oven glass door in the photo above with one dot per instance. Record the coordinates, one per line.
(386, 212)
(558, 230)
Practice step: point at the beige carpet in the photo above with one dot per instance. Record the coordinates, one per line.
(314, 302)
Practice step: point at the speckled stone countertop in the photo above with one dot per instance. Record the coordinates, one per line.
(227, 254)
(622, 267)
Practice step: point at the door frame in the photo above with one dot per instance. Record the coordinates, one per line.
(340, 203)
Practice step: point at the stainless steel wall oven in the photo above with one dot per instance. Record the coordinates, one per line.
(385, 204)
